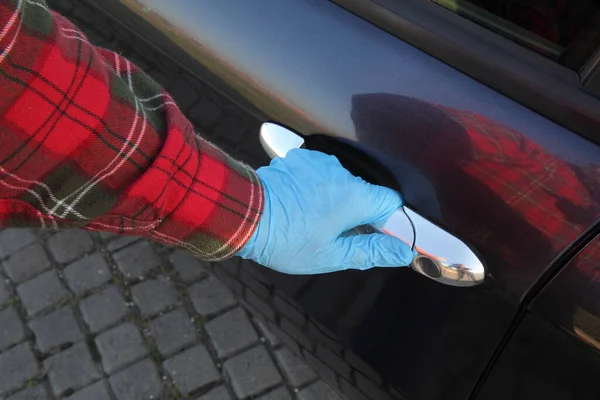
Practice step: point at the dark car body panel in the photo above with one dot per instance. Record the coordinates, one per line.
(319, 69)
(554, 354)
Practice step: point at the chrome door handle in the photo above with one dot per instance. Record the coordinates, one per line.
(441, 256)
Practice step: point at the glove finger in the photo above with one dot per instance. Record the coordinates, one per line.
(377, 204)
(374, 250)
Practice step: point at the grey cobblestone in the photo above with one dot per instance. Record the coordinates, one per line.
(258, 304)
(192, 369)
(27, 263)
(17, 365)
(138, 382)
(71, 369)
(15, 239)
(318, 391)
(172, 332)
(265, 333)
(352, 392)
(87, 273)
(97, 391)
(120, 346)
(154, 296)
(37, 392)
(334, 361)
(56, 329)
(277, 394)
(188, 267)
(371, 389)
(121, 242)
(296, 371)
(289, 311)
(210, 296)
(11, 328)
(252, 372)
(103, 309)
(69, 245)
(136, 261)
(231, 332)
(4, 293)
(41, 292)
(218, 393)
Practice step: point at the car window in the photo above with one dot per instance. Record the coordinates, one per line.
(565, 30)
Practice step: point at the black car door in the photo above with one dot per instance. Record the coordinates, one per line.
(555, 352)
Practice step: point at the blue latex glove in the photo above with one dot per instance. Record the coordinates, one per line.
(310, 201)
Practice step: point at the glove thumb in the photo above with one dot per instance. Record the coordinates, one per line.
(374, 250)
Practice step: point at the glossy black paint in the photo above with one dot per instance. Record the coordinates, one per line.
(317, 68)
(555, 353)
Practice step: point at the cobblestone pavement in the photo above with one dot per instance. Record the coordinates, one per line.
(97, 316)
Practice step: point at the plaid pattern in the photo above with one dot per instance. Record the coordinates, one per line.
(550, 194)
(90, 141)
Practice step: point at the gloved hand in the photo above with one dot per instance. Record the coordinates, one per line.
(310, 200)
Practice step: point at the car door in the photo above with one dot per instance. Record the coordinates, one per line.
(555, 352)
(486, 138)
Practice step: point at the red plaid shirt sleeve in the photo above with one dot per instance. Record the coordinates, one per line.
(90, 141)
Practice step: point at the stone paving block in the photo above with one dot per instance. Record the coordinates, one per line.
(37, 392)
(4, 293)
(218, 393)
(154, 296)
(103, 309)
(136, 261)
(106, 236)
(138, 382)
(12, 240)
(69, 245)
(334, 361)
(191, 369)
(252, 372)
(289, 311)
(319, 391)
(277, 394)
(11, 328)
(87, 273)
(210, 296)
(71, 369)
(359, 364)
(295, 332)
(350, 391)
(56, 329)
(173, 331)
(285, 338)
(259, 306)
(120, 346)
(319, 367)
(17, 365)
(296, 371)
(231, 332)
(265, 333)
(370, 388)
(41, 292)
(96, 391)
(27, 263)
(188, 267)
(121, 242)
